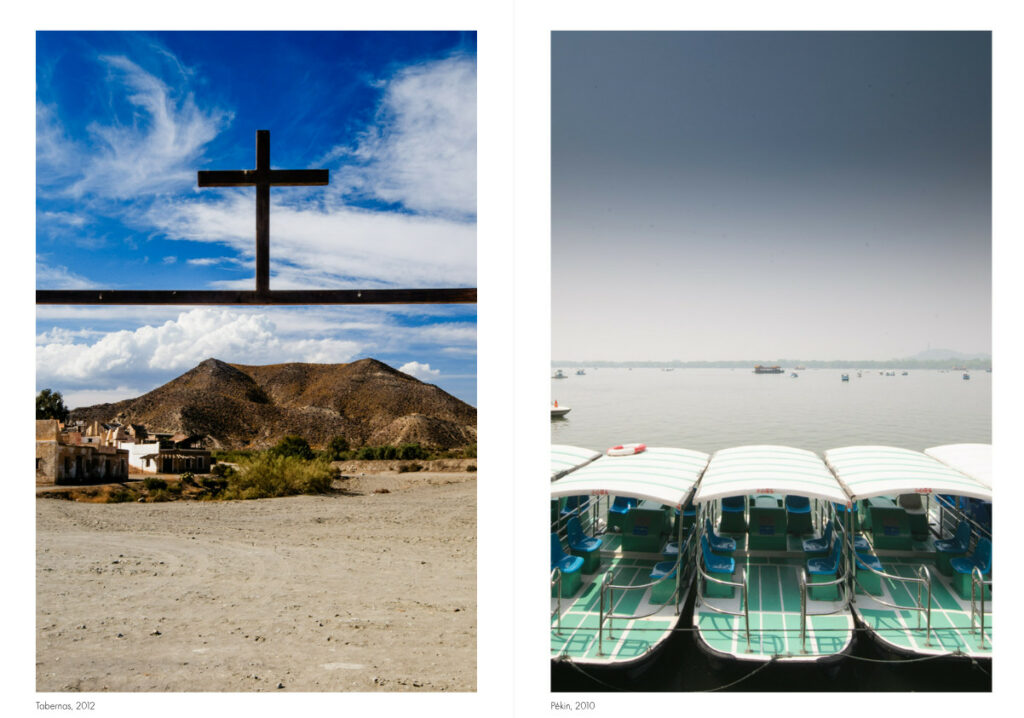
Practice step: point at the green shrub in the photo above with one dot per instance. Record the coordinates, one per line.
(154, 484)
(119, 496)
(160, 495)
(276, 475)
(410, 452)
(294, 446)
(337, 449)
(174, 489)
(471, 467)
(221, 470)
(367, 453)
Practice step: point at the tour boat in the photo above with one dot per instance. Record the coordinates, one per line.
(621, 556)
(559, 374)
(770, 564)
(928, 591)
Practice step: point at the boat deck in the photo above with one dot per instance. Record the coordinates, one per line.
(774, 595)
(951, 616)
(630, 639)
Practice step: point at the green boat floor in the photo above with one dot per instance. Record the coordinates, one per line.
(623, 639)
(906, 629)
(774, 598)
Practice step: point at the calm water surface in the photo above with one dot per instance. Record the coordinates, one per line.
(711, 409)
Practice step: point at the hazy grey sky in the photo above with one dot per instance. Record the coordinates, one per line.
(767, 195)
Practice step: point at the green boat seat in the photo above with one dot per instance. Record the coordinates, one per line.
(570, 566)
(721, 544)
(963, 567)
(662, 592)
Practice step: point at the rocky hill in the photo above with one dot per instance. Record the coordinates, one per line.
(237, 406)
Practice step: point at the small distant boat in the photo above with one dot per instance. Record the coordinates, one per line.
(559, 375)
(966, 375)
(858, 375)
(846, 377)
(760, 369)
(794, 375)
(667, 368)
(906, 373)
(580, 372)
(559, 412)
(799, 368)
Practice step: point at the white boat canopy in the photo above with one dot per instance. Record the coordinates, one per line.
(663, 475)
(866, 471)
(766, 469)
(975, 460)
(566, 458)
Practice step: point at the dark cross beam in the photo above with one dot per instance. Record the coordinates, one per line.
(262, 178)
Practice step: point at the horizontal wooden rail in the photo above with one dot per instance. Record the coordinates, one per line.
(459, 295)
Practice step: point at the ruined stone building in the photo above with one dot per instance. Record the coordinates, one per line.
(75, 457)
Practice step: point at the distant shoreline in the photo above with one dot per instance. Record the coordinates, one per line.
(978, 364)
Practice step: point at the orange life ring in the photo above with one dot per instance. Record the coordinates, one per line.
(626, 449)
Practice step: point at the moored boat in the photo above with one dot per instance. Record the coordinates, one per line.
(559, 374)
(622, 562)
(768, 588)
(925, 594)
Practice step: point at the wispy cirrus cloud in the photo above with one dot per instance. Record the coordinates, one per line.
(156, 152)
(60, 277)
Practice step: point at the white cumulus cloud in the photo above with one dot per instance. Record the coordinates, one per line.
(420, 371)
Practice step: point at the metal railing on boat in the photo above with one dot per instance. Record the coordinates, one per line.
(608, 588)
(556, 582)
(923, 581)
(844, 602)
(981, 585)
(745, 614)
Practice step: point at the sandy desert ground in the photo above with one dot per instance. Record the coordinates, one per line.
(357, 592)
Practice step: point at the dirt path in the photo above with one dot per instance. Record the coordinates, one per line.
(366, 591)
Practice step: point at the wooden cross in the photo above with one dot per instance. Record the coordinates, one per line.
(262, 178)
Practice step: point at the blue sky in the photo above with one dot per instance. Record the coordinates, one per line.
(124, 121)
(761, 195)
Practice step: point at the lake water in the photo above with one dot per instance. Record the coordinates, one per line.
(711, 409)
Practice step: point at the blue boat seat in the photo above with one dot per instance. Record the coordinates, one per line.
(982, 558)
(867, 580)
(714, 563)
(861, 545)
(622, 504)
(734, 514)
(662, 592)
(798, 515)
(570, 566)
(963, 568)
(824, 570)
(798, 504)
(583, 546)
(721, 544)
(827, 565)
(820, 545)
(574, 503)
(958, 544)
(578, 541)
